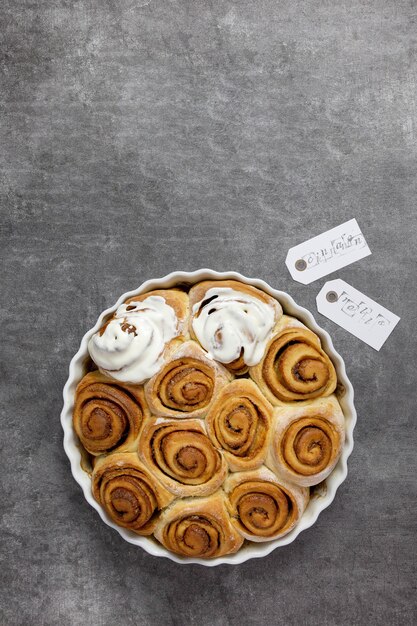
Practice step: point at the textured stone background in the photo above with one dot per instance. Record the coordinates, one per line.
(141, 137)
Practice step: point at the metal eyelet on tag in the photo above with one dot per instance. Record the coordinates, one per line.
(331, 296)
(300, 265)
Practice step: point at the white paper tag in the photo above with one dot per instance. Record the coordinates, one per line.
(327, 252)
(356, 313)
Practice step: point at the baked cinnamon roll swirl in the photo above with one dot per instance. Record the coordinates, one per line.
(263, 507)
(186, 384)
(232, 321)
(239, 422)
(128, 492)
(199, 528)
(307, 441)
(294, 367)
(107, 415)
(182, 457)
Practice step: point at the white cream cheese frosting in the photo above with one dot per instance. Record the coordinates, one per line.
(227, 321)
(131, 346)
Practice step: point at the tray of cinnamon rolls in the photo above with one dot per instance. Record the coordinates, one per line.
(208, 418)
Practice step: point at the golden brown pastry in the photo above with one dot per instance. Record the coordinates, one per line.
(128, 492)
(131, 345)
(108, 415)
(239, 422)
(181, 448)
(199, 528)
(294, 367)
(263, 507)
(186, 384)
(307, 440)
(232, 321)
(182, 457)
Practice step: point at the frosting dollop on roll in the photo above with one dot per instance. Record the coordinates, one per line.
(129, 347)
(230, 324)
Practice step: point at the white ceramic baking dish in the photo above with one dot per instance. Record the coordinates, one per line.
(323, 496)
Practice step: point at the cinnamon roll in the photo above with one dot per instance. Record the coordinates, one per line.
(239, 422)
(130, 346)
(232, 321)
(199, 528)
(294, 367)
(107, 415)
(128, 492)
(307, 441)
(263, 507)
(187, 383)
(182, 457)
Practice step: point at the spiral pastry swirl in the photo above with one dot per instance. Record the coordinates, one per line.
(186, 384)
(307, 442)
(233, 322)
(199, 528)
(107, 416)
(182, 457)
(128, 492)
(239, 423)
(307, 445)
(295, 368)
(262, 507)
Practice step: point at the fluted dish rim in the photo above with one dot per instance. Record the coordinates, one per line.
(317, 503)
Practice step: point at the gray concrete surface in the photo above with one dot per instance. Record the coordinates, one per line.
(141, 137)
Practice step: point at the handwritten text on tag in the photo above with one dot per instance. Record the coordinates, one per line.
(327, 252)
(352, 310)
